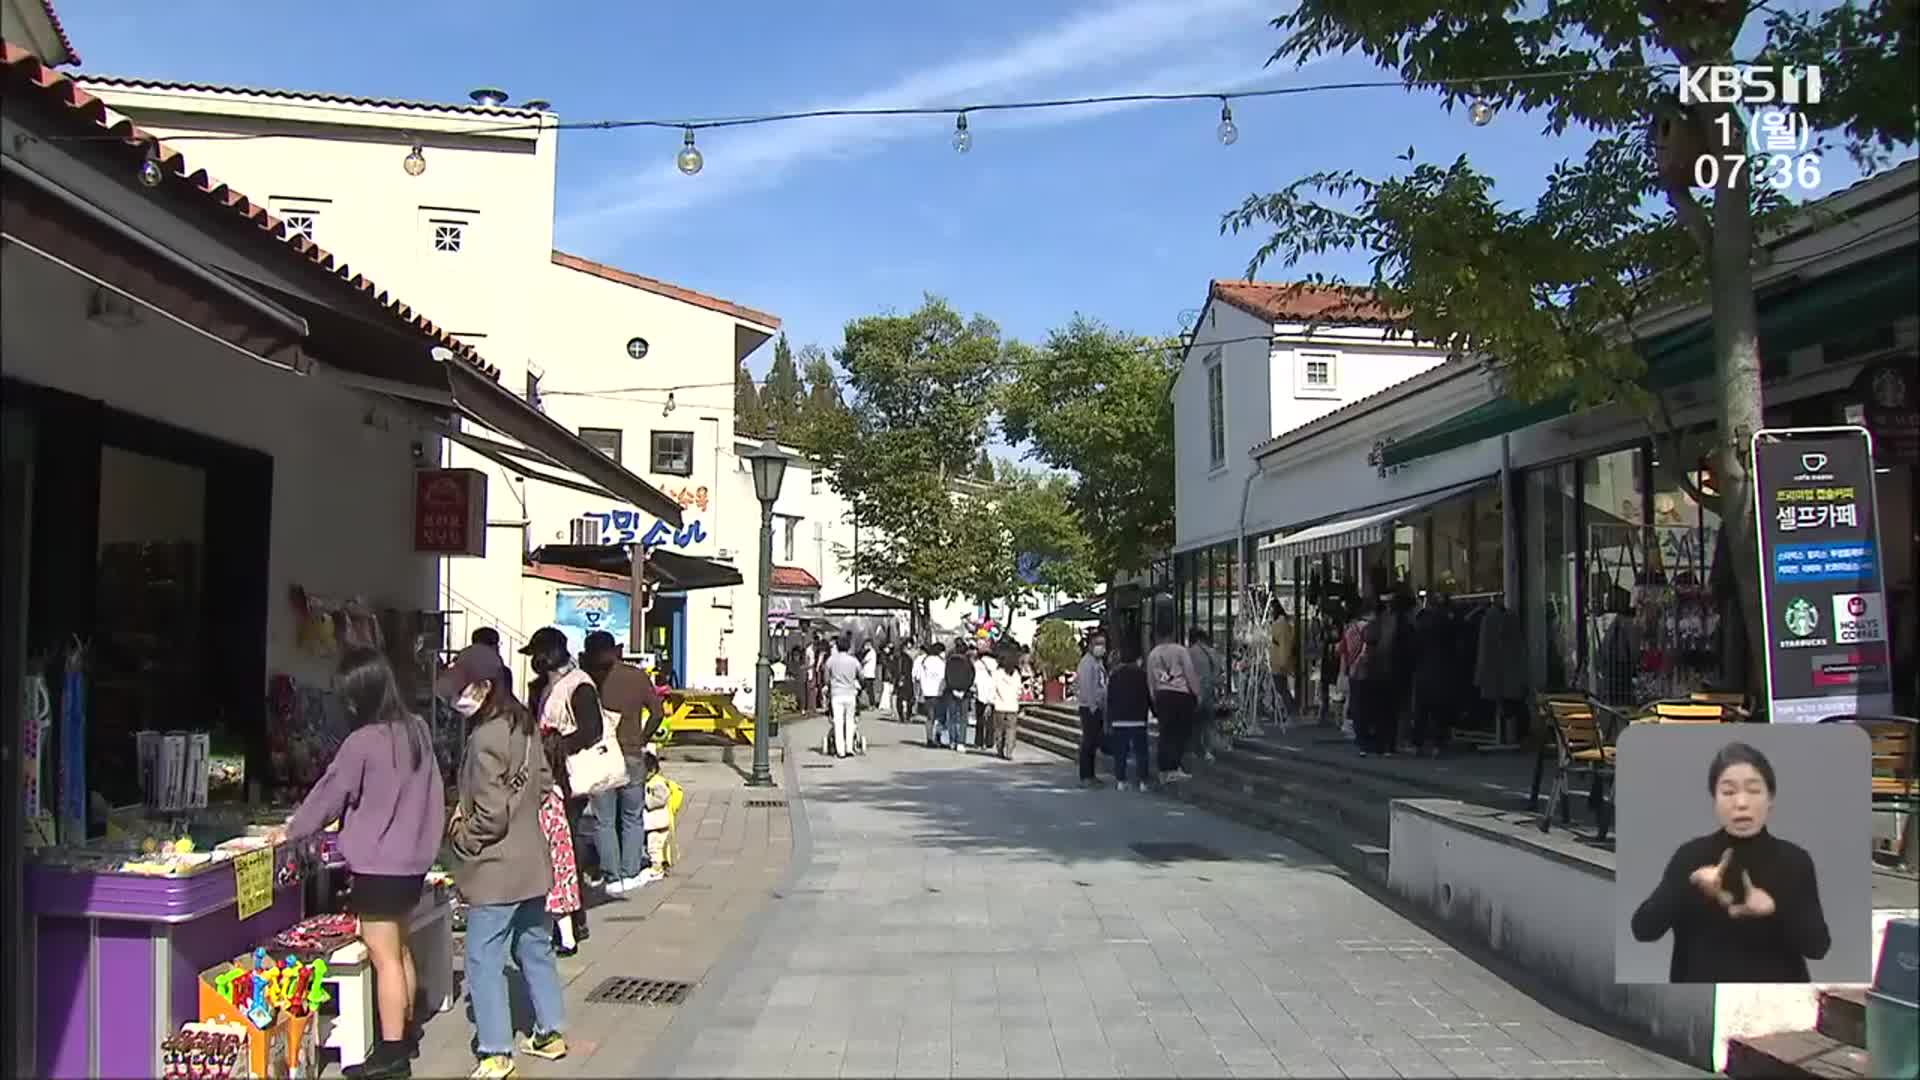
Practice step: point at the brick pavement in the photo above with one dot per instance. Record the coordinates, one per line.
(731, 858)
(960, 916)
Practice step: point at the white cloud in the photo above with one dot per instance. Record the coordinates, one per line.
(1088, 46)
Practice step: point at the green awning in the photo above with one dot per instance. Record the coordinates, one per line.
(1866, 294)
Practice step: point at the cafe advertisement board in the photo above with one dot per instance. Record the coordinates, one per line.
(1820, 574)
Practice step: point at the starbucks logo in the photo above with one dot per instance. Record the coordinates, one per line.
(1802, 617)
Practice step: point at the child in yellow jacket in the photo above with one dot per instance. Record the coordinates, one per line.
(658, 821)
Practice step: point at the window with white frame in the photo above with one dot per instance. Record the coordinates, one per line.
(673, 453)
(300, 224)
(449, 236)
(299, 215)
(1216, 412)
(1316, 374)
(791, 533)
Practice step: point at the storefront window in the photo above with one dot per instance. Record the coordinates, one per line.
(1675, 609)
(1451, 547)
(1612, 495)
(1486, 569)
(1548, 572)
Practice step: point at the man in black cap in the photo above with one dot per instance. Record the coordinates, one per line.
(621, 813)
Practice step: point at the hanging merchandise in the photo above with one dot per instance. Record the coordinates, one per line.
(72, 796)
(36, 722)
(316, 631)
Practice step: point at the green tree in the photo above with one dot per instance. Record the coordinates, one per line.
(780, 395)
(822, 409)
(1095, 403)
(920, 387)
(1056, 648)
(1051, 551)
(1546, 292)
(748, 417)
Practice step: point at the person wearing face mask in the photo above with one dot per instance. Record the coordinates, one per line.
(384, 787)
(505, 873)
(1742, 904)
(566, 707)
(1090, 692)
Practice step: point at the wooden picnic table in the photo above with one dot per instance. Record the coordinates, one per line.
(709, 711)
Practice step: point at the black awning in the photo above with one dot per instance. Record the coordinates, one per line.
(866, 600)
(665, 569)
(372, 346)
(1092, 609)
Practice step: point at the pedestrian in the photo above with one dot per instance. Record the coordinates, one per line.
(1435, 675)
(930, 676)
(572, 723)
(985, 668)
(384, 787)
(1090, 693)
(1176, 685)
(870, 674)
(620, 813)
(957, 688)
(1280, 661)
(1370, 694)
(1213, 675)
(659, 818)
(843, 690)
(1006, 704)
(1402, 656)
(483, 654)
(905, 696)
(1129, 699)
(505, 872)
(822, 652)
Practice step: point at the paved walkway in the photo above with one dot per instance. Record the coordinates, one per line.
(961, 916)
(731, 857)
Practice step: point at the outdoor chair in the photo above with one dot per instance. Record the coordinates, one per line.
(1544, 750)
(1685, 711)
(1895, 779)
(1733, 702)
(1583, 737)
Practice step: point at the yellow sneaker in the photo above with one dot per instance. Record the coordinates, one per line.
(496, 1067)
(552, 1046)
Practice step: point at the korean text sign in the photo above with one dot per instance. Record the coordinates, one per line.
(1820, 585)
(450, 512)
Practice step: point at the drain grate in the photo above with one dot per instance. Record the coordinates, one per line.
(766, 804)
(816, 765)
(626, 990)
(1178, 851)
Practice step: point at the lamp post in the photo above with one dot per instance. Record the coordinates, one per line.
(769, 472)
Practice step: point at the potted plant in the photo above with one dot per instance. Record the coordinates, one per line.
(1056, 651)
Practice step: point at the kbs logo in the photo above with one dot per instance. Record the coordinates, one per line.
(1744, 85)
(1857, 619)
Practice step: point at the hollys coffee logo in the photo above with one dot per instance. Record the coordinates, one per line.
(1858, 618)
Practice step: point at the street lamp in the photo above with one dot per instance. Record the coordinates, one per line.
(769, 472)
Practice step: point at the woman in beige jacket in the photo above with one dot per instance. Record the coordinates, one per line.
(504, 874)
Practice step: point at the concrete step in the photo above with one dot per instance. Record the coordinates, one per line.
(1843, 1016)
(1795, 1054)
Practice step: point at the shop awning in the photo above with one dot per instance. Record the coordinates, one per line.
(664, 569)
(1870, 293)
(1092, 609)
(1363, 529)
(403, 366)
(866, 600)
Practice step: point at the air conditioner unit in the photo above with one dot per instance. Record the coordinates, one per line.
(584, 531)
(819, 531)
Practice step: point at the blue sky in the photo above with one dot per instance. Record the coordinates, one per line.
(1113, 213)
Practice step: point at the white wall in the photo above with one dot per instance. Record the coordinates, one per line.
(342, 491)
(1207, 499)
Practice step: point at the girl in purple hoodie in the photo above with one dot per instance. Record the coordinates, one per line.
(384, 788)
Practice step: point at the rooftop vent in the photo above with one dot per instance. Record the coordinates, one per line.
(489, 97)
(538, 105)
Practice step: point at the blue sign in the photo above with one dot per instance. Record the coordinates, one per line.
(1844, 560)
(579, 612)
(632, 526)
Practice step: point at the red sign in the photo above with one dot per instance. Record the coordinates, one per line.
(450, 512)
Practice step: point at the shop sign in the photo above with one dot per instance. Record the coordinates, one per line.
(633, 527)
(450, 512)
(1890, 408)
(252, 883)
(579, 612)
(1820, 577)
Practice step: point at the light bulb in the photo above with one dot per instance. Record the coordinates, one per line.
(962, 138)
(689, 159)
(670, 406)
(1480, 113)
(416, 160)
(1229, 134)
(150, 173)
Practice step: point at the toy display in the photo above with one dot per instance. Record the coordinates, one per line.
(206, 1052)
(270, 987)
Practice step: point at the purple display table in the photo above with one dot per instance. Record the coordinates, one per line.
(117, 960)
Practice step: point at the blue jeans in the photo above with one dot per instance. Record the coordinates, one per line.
(936, 729)
(621, 816)
(526, 931)
(1129, 743)
(958, 709)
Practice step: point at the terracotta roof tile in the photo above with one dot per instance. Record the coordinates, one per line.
(135, 82)
(1302, 302)
(73, 54)
(794, 577)
(662, 288)
(89, 116)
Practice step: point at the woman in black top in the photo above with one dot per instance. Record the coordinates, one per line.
(1743, 904)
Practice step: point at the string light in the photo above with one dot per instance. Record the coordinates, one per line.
(962, 138)
(150, 173)
(1480, 113)
(415, 162)
(1229, 134)
(689, 159)
(670, 406)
